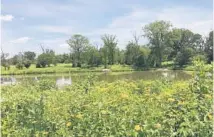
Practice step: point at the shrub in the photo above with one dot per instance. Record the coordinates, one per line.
(27, 63)
(38, 65)
(199, 57)
(183, 57)
(19, 65)
(46, 84)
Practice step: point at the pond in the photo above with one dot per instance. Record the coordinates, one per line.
(68, 79)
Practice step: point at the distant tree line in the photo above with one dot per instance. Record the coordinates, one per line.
(165, 44)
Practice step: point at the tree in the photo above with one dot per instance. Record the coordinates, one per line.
(29, 55)
(77, 44)
(46, 58)
(110, 44)
(91, 56)
(120, 56)
(104, 55)
(27, 63)
(142, 58)
(184, 56)
(19, 65)
(198, 43)
(14, 59)
(43, 60)
(157, 33)
(209, 47)
(131, 53)
(4, 61)
(178, 39)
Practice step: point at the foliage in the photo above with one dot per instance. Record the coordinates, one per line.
(19, 65)
(46, 84)
(209, 47)
(131, 54)
(27, 63)
(77, 44)
(121, 108)
(110, 44)
(165, 44)
(183, 57)
(156, 33)
(4, 61)
(45, 59)
(29, 55)
(199, 57)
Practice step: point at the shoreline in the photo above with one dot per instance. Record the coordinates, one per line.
(90, 71)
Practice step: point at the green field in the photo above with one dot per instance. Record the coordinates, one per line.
(62, 68)
(67, 68)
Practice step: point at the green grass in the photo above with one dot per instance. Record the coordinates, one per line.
(62, 68)
(67, 68)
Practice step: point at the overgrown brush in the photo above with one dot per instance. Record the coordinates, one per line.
(122, 108)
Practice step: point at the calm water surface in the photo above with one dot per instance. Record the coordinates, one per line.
(68, 79)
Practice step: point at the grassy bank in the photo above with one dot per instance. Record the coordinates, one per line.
(67, 68)
(122, 108)
(62, 68)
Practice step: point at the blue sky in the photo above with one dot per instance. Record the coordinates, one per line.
(25, 24)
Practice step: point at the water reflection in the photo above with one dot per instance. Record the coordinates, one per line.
(66, 79)
(60, 82)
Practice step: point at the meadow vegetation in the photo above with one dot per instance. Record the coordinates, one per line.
(122, 108)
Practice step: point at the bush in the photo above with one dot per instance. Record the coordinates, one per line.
(27, 63)
(38, 65)
(46, 84)
(183, 57)
(199, 57)
(19, 65)
(122, 108)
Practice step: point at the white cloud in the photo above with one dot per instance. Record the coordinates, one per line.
(21, 40)
(6, 17)
(197, 20)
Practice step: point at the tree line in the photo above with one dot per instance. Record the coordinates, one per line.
(165, 43)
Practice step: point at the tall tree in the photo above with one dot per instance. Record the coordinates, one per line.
(131, 53)
(110, 43)
(29, 55)
(77, 44)
(104, 55)
(156, 33)
(4, 61)
(209, 47)
(178, 39)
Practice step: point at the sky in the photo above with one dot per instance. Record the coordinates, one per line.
(28, 24)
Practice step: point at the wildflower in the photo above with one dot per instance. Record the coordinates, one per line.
(68, 124)
(124, 96)
(137, 128)
(146, 94)
(34, 122)
(157, 125)
(79, 116)
(181, 103)
(147, 89)
(208, 96)
(210, 116)
(45, 132)
(103, 112)
(171, 100)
